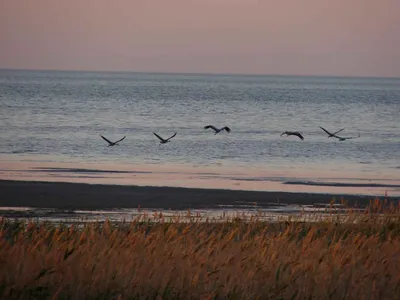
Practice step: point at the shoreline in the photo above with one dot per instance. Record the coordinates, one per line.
(67, 195)
(205, 177)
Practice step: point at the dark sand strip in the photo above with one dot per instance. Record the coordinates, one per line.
(96, 196)
(341, 184)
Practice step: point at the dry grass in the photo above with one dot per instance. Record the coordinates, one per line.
(228, 260)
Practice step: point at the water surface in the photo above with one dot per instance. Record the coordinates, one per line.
(56, 117)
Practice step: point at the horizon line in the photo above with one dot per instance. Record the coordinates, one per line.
(199, 73)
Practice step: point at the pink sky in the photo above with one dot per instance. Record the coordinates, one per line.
(305, 37)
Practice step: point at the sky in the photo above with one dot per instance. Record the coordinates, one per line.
(292, 37)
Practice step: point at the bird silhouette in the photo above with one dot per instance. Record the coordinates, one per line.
(112, 143)
(226, 128)
(331, 134)
(164, 141)
(346, 138)
(298, 134)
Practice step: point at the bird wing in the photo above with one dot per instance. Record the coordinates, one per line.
(211, 126)
(161, 139)
(227, 129)
(351, 137)
(171, 137)
(326, 130)
(108, 141)
(338, 131)
(299, 135)
(283, 133)
(120, 139)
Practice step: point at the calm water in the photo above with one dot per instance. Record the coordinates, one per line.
(58, 116)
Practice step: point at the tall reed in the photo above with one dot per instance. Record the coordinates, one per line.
(232, 259)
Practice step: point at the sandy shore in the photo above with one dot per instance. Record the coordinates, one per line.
(206, 177)
(96, 196)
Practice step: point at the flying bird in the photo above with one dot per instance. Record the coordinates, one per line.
(293, 133)
(218, 130)
(164, 141)
(112, 143)
(331, 134)
(346, 138)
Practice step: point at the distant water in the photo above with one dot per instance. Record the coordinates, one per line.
(58, 116)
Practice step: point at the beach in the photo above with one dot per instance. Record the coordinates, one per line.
(98, 196)
(94, 186)
(204, 177)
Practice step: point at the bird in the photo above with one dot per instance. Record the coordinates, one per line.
(346, 138)
(293, 133)
(164, 141)
(112, 143)
(331, 134)
(218, 130)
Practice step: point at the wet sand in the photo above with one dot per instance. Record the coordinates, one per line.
(206, 177)
(98, 196)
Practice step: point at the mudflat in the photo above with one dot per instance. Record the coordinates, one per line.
(99, 196)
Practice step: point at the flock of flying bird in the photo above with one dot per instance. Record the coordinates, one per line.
(227, 129)
(296, 133)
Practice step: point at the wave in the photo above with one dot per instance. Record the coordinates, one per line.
(22, 151)
(76, 176)
(82, 170)
(342, 184)
(275, 179)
